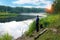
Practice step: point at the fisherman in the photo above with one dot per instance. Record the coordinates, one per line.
(37, 23)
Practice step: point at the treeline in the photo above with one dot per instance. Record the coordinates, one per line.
(20, 9)
(56, 6)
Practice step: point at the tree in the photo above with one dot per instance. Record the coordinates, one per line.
(56, 6)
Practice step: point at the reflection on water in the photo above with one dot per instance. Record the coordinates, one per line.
(16, 29)
(22, 16)
(18, 18)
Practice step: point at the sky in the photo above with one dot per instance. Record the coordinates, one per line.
(27, 3)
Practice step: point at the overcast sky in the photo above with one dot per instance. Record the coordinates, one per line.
(27, 3)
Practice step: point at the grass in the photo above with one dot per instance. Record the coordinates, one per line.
(6, 37)
(32, 27)
(52, 21)
(49, 35)
(7, 15)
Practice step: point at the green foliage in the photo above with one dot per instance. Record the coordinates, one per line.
(32, 27)
(50, 20)
(6, 37)
(56, 5)
(7, 15)
(53, 21)
(49, 35)
(20, 9)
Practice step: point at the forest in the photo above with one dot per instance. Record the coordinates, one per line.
(20, 9)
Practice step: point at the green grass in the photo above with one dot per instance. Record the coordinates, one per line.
(49, 35)
(7, 15)
(6, 37)
(32, 27)
(51, 21)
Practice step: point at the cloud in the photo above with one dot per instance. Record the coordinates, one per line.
(36, 3)
(26, 1)
(34, 6)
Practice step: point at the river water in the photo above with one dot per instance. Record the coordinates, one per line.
(17, 28)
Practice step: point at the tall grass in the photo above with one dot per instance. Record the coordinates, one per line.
(6, 37)
(49, 35)
(50, 21)
(32, 27)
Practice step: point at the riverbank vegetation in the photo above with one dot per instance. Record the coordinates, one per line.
(7, 15)
(48, 22)
(6, 37)
(52, 22)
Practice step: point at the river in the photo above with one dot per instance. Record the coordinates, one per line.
(17, 28)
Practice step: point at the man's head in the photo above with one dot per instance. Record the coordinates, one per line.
(37, 15)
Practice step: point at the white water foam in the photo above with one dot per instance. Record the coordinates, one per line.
(16, 29)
